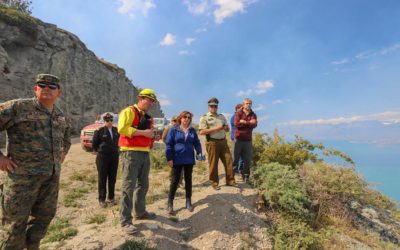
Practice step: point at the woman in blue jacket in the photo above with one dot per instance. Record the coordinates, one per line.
(181, 142)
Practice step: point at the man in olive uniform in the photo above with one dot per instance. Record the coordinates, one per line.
(214, 127)
(38, 138)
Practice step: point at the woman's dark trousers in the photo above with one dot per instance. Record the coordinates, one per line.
(176, 173)
(107, 166)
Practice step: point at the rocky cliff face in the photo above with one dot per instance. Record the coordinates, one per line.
(90, 85)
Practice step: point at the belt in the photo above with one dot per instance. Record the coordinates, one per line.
(212, 139)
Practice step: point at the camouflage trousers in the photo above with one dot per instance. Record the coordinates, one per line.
(28, 204)
(135, 183)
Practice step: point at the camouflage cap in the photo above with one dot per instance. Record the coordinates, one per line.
(213, 101)
(47, 78)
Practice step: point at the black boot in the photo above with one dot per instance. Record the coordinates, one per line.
(170, 207)
(189, 204)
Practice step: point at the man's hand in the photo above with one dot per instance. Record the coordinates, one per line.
(242, 121)
(6, 164)
(149, 133)
(226, 128)
(220, 128)
(170, 163)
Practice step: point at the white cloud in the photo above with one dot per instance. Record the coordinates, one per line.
(168, 40)
(343, 61)
(259, 107)
(200, 7)
(130, 6)
(263, 118)
(390, 49)
(260, 88)
(163, 100)
(221, 9)
(386, 118)
(280, 101)
(201, 30)
(263, 87)
(372, 53)
(227, 8)
(244, 92)
(189, 40)
(185, 53)
(365, 55)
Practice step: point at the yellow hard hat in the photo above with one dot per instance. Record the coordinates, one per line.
(149, 93)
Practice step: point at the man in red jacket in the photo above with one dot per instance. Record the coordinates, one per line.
(245, 122)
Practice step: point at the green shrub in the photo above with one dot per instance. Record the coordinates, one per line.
(294, 234)
(59, 230)
(84, 176)
(25, 22)
(331, 184)
(275, 149)
(282, 187)
(158, 159)
(72, 197)
(134, 245)
(96, 219)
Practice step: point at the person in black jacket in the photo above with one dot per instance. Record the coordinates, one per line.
(105, 143)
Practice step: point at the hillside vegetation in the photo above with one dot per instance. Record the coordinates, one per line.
(315, 205)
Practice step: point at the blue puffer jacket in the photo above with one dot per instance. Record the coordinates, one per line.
(179, 150)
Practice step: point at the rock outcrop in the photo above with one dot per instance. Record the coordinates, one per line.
(90, 85)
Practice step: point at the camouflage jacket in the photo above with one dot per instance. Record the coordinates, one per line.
(35, 137)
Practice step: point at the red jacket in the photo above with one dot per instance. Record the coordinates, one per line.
(244, 131)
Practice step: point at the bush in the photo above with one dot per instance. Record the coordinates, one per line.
(60, 230)
(275, 149)
(96, 219)
(332, 186)
(282, 187)
(157, 159)
(25, 22)
(134, 245)
(292, 233)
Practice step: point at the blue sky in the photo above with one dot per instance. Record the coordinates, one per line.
(326, 70)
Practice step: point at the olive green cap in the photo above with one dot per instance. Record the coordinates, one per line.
(213, 101)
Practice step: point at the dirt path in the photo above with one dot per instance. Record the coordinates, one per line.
(224, 219)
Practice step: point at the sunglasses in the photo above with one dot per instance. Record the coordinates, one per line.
(186, 117)
(52, 86)
(213, 106)
(108, 120)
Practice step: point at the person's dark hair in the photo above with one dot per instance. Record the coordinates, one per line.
(238, 106)
(182, 114)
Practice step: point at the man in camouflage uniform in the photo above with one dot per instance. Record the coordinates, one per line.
(214, 127)
(38, 138)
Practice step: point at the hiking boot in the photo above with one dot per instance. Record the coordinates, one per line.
(129, 229)
(113, 202)
(102, 204)
(216, 187)
(170, 207)
(232, 184)
(189, 204)
(146, 216)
